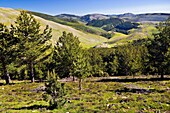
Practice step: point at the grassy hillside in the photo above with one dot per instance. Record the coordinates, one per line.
(8, 16)
(75, 23)
(144, 31)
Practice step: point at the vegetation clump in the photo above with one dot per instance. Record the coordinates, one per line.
(54, 91)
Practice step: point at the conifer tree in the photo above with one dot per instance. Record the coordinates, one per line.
(130, 59)
(32, 41)
(81, 66)
(55, 91)
(72, 59)
(67, 48)
(158, 49)
(7, 50)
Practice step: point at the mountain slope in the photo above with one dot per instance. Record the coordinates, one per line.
(70, 20)
(8, 16)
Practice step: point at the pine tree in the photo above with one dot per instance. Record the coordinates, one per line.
(158, 49)
(7, 49)
(67, 48)
(130, 59)
(32, 41)
(81, 66)
(96, 62)
(55, 91)
(72, 59)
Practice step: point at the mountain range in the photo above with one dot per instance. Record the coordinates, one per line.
(95, 30)
(148, 17)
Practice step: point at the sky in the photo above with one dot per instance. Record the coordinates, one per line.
(82, 7)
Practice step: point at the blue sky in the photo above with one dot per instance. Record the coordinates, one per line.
(81, 7)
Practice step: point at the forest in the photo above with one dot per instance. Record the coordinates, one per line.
(27, 53)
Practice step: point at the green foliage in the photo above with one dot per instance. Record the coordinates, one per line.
(107, 35)
(70, 54)
(103, 61)
(131, 59)
(67, 48)
(114, 24)
(7, 49)
(127, 26)
(108, 27)
(55, 91)
(158, 49)
(81, 66)
(72, 60)
(96, 62)
(32, 42)
(100, 23)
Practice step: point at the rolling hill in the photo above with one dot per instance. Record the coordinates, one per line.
(90, 36)
(122, 23)
(8, 16)
(72, 21)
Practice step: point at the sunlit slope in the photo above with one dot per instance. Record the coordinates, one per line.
(8, 16)
(144, 31)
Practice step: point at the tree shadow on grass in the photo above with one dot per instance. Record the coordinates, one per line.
(139, 90)
(3, 84)
(33, 107)
(132, 80)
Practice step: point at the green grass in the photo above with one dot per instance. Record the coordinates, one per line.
(142, 96)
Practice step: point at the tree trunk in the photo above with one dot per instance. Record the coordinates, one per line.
(32, 72)
(73, 78)
(80, 83)
(6, 74)
(162, 75)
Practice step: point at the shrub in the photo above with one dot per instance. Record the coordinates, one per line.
(54, 91)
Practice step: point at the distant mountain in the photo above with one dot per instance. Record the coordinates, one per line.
(152, 17)
(91, 17)
(68, 16)
(148, 17)
(126, 15)
(85, 18)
